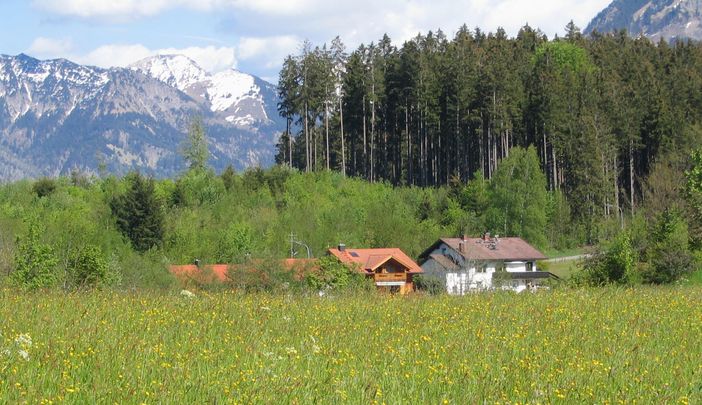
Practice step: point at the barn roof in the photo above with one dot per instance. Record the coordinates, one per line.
(502, 249)
(370, 259)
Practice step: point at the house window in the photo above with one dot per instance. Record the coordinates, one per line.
(480, 268)
(530, 266)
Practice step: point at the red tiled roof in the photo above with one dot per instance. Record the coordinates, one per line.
(207, 273)
(507, 249)
(370, 259)
(219, 272)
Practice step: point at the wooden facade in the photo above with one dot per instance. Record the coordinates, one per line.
(390, 269)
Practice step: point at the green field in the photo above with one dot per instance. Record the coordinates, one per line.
(565, 346)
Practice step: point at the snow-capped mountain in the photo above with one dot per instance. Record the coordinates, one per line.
(655, 19)
(236, 97)
(56, 116)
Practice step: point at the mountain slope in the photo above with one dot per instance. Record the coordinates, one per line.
(56, 115)
(655, 19)
(236, 97)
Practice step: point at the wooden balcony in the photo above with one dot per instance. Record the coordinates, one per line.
(390, 278)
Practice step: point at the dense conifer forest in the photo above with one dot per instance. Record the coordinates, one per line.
(606, 113)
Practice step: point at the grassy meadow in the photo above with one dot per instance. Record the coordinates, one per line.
(564, 346)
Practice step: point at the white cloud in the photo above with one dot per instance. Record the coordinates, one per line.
(43, 47)
(212, 59)
(401, 18)
(268, 30)
(129, 9)
(115, 55)
(268, 51)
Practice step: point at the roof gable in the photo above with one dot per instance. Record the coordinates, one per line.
(504, 249)
(370, 259)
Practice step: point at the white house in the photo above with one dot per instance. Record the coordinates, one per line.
(471, 264)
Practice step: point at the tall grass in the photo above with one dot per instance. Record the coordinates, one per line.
(585, 346)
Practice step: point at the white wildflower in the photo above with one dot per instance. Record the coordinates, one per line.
(187, 294)
(316, 349)
(265, 309)
(6, 353)
(287, 318)
(24, 355)
(290, 351)
(24, 340)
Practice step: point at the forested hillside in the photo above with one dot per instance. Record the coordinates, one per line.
(565, 143)
(607, 114)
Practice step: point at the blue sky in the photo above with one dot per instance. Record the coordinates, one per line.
(252, 36)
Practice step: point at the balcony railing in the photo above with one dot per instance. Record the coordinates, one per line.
(390, 277)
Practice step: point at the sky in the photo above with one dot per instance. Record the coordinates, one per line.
(253, 36)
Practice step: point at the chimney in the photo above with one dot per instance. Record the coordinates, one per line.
(342, 247)
(465, 238)
(197, 262)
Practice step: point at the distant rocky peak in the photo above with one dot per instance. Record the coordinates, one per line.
(177, 71)
(655, 19)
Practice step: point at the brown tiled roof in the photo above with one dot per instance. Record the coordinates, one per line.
(507, 249)
(370, 259)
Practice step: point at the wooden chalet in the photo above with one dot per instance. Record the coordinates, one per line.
(390, 268)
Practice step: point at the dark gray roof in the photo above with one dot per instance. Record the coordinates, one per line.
(444, 261)
(530, 275)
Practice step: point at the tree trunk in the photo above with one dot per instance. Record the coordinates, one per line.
(290, 151)
(631, 174)
(409, 144)
(307, 141)
(365, 145)
(372, 143)
(341, 127)
(326, 129)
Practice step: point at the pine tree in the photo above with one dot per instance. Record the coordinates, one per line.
(139, 214)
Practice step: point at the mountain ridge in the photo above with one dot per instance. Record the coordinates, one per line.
(655, 19)
(57, 116)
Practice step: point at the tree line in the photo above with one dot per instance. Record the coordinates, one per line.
(603, 112)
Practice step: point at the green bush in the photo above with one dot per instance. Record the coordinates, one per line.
(334, 275)
(430, 285)
(35, 262)
(669, 255)
(44, 187)
(87, 266)
(614, 264)
(197, 188)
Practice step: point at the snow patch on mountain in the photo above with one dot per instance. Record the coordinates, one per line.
(222, 90)
(178, 71)
(226, 88)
